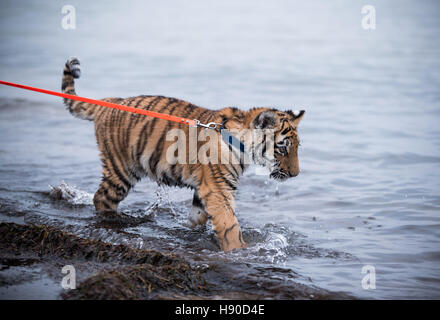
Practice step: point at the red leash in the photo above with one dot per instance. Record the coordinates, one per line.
(189, 122)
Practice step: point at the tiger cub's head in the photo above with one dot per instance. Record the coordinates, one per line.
(281, 129)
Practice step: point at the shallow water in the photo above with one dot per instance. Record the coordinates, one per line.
(368, 193)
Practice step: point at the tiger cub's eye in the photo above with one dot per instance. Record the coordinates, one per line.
(282, 147)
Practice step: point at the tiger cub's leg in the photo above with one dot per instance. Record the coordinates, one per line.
(109, 194)
(198, 215)
(114, 187)
(220, 208)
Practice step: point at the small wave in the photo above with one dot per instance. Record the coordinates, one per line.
(408, 158)
(273, 248)
(71, 194)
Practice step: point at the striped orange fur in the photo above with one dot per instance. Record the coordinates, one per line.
(134, 146)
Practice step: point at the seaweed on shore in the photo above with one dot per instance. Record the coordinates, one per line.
(140, 274)
(46, 240)
(139, 282)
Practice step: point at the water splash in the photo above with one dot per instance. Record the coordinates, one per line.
(163, 200)
(71, 194)
(273, 248)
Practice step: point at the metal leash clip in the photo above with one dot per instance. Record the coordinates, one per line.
(210, 125)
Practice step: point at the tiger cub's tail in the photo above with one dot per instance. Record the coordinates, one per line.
(79, 109)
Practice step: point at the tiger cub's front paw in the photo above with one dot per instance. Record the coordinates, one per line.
(232, 239)
(231, 246)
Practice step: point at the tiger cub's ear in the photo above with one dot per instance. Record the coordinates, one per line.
(265, 120)
(296, 115)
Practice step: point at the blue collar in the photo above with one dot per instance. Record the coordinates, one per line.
(230, 140)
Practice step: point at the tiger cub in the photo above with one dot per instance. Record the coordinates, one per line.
(133, 146)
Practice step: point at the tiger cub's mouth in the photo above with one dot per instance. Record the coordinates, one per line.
(279, 175)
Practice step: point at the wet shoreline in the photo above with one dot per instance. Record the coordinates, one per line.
(107, 271)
